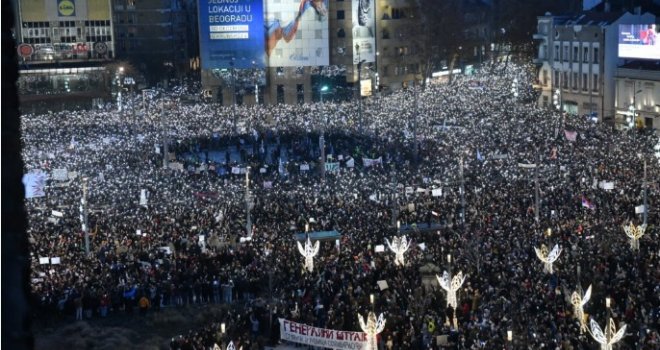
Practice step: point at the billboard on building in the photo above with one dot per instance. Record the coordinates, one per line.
(231, 33)
(297, 33)
(364, 34)
(640, 41)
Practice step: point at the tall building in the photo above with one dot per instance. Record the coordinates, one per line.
(158, 37)
(363, 43)
(578, 59)
(64, 47)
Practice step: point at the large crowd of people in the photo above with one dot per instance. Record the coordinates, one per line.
(176, 235)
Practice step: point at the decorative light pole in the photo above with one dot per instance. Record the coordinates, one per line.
(249, 203)
(451, 285)
(548, 258)
(578, 305)
(309, 252)
(372, 327)
(231, 346)
(608, 338)
(84, 209)
(399, 246)
(323, 89)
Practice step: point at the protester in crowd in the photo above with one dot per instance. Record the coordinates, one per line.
(481, 150)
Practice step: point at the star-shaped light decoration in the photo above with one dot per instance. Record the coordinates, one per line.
(399, 246)
(309, 252)
(578, 305)
(609, 337)
(548, 258)
(372, 327)
(634, 233)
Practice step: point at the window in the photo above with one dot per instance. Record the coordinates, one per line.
(280, 71)
(585, 82)
(544, 74)
(595, 84)
(575, 81)
(556, 82)
(341, 14)
(576, 54)
(595, 55)
(545, 101)
(566, 52)
(300, 93)
(341, 33)
(280, 94)
(398, 14)
(564, 82)
(386, 34)
(585, 54)
(556, 54)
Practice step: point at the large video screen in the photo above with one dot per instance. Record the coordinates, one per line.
(639, 41)
(296, 33)
(231, 34)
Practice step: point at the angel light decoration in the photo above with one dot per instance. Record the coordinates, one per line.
(399, 246)
(634, 233)
(609, 337)
(372, 327)
(548, 258)
(309, 252)
(451, 285)
(578, 305)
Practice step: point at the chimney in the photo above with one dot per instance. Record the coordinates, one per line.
(607, 6)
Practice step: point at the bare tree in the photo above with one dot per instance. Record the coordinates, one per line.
(440, 33)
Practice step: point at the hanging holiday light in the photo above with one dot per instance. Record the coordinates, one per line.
(548, 258)
(372, 327)
(309, 252)
(578, 305)
(399, 246)
(634, 233)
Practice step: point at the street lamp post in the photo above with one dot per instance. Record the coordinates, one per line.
(233, 91)
(359, 85)
(324, 88)
(84, 209)
(633, 109)
(249, 202)
(165, 136)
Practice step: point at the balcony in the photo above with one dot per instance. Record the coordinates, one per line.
(539, 36)
(539, 60)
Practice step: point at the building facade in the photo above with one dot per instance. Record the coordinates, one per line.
(578, 60)
(638, 94)
(363, 59)
(158, 37)
(63, 49)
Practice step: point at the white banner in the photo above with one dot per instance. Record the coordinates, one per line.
(322, 337)
(61, 174)
(370, 162)
(436, 192)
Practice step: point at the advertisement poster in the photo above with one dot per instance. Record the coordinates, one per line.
(639, 41)
(231, 34)
(364, 35)
(297, 33)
